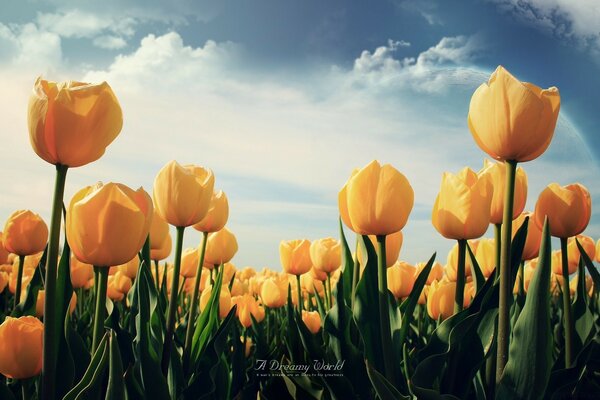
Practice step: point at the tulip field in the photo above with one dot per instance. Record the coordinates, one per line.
(100, 302)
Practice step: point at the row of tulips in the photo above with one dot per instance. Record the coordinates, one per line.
(501, 319)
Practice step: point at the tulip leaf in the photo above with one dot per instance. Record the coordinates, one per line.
(584, 320)
(348, 271)
(93, 374)
(366, 305)
(292, 339)
(320, 305)
(5, 393)
(530, 354)
(116, 384)
(516, 251)
(384, 389)
(590, 267)
(28, 307)
(476, 273)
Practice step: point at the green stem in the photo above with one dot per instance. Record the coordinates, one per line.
(522, 278)
(567, 313)
(498, 240)
(50, 322)
(156, 275)
(166, 355)
(100, 283)
(355, 272)
(19, 279)
(329, 294)
(194, 307)
(384, 315)
(459, 294)
(299, 295)
(505, 276)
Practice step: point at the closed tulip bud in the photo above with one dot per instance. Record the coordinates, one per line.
(534, 235)
(312, 320)
(25, 233)
(72, 123)
(440, 299)
(189, 262)
(528, 272)
(309, 284)
(163, 251)
(568, 208)
(496, 173)
(462, 208)
(108, 224)
(401, 278)
(318, 275)
(21, 347)
(376, 200)
(224, 300)
(452, 262)
(486, 256)
(513, 120)
(41, 298)
(159, 231)
(573, 250)
(217, 215)
(3, 252)
(4, 278)
(557, 263)
(248, 348)
(182, 193)
(393, 244)
(246, 273)
(130, 268)
(238, 288)
(272, 294)
(221, 246)
(81, 273)
(295, 256)
(247, 307)
(598, 250)
(436, 273)
(589, 285)
(229, 271)
(326, 254)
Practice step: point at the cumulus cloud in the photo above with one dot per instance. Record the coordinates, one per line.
(578, 21)
(109, 42)
(26, 45)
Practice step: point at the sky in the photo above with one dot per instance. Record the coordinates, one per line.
(283, 99)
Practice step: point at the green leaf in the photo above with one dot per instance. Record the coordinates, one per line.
(384, 389)
(93, 374)
(530, 355)
(27, 307)
(116, 384)
(347, 266)
(476, 273)
(584, 319)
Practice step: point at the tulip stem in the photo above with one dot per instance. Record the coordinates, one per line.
(355, 272)
(19, 279)
(166, 355)
(567, 313)
(51, 328)
(329, 294)
(384, 315)
(100, 283)
(299, 295)
(459, 294)
(194, 307)
(522, 278)
(498, 240)
(505, 276)
(157, 277)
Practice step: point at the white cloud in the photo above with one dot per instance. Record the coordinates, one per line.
(282, 145)
(577, 20)
(110, 42)
(26, 46)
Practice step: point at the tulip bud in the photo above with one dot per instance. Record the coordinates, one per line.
(568, 209)
(159, 230)
(3, 252)
(435, 274)
(130, 268)
(401, 278)
(326, 254)
(495, 172)
(224, 300)
(513, 120)
(217, 215)
(376, 200)
(21, 347)
(25, 233)
(72, 123)
(272, 294)
(163, 251)
(440, 299)
(393, 244)
(221, 246)
(295, 256)
(312, 320)
(462, 208)
(108, 224)
(247, 306)
(189, 262)
(573, 250)
(486, 256)
(81, 273)
(534, 235)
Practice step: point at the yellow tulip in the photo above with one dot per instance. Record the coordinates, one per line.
(462, 208)
(189, 262)
(4, 279)
(589, 285)
(534, 235)
(573, 251)
(326, 254)
(452, 261)
(3, 252)
(273, 293)
(224, 300)
(401, 278)
(217, 215)
(568, 208)
(309, 283)
(528, 272)
(295, 256)
(247, 305)
(376, 200)
(557, 263)
(159, 231)
(486, 256)
(496, 173)
(163, 251)
(229, 270)
(393, 244)
(221, 246)
(41, 298)
(318, 275)
(312, 320)
(440, 299)
(81, 272)
(513, 120)
(182, 193)
(72, 123)
(436, 273)
(130, 268)
(25, 233)
(108, 224)
(21, 347)
(119, 285)
(598, 250)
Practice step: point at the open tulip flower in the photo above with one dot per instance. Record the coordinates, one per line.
(21, 347)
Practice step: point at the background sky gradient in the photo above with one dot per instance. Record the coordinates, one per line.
(282, 99)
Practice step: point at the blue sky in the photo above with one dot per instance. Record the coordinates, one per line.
(282, 99)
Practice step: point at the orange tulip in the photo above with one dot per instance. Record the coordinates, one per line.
(452, 261)
(25, 233)
(440, 299)
(312, 320)
(159, 231)
(189, 262)
(573, 251)
(108, 224)
(21, 347)
(309, 283)
(182, 193)
(462, 208)
(221, 246)
(376, 200)
(81, 273)
(486, 256)
(217, 215)
(513, 120)
(130, 268)
(3, 252)
(401, 278)
(41, 298)
(224, 300)
(436, 273)
(247, 306)
(295, 256)
(598, 250)
(568, 208)
(72, 123)
(534, 235)
(163, 251)
(496, 173)
(393, 244)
